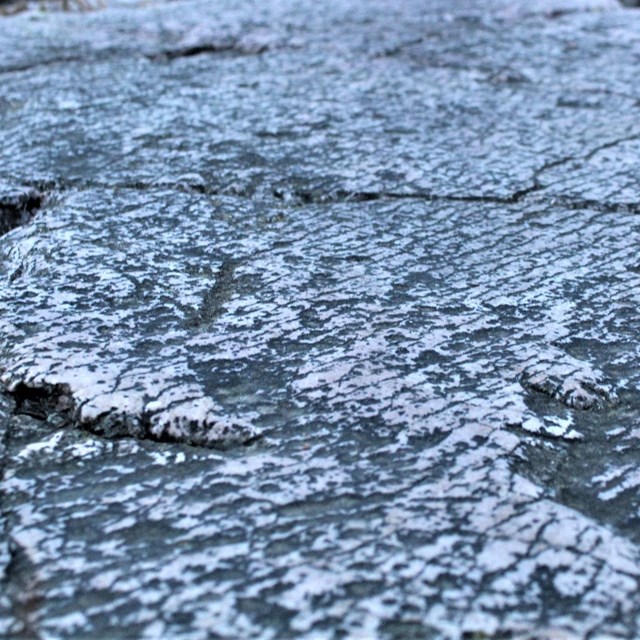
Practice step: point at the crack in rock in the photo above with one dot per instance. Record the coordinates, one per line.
(19, 206)
(234, 47)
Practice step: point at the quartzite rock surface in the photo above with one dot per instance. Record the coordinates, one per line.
(320, 321)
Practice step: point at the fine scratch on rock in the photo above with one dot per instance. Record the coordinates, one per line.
(214, 299)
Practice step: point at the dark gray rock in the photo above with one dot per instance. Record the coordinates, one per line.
(320, 323)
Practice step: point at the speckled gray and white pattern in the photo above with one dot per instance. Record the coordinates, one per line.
(320, 321)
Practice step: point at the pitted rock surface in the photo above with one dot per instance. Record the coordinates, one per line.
(320, 322)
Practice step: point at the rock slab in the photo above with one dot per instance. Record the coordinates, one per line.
(320, 324)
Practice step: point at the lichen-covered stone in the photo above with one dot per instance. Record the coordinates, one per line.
(320, 323)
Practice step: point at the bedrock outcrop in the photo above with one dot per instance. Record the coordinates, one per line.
(320, 321)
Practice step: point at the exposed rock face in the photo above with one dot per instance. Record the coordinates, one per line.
(320, 322)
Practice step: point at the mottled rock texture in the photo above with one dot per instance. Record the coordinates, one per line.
(320, 320)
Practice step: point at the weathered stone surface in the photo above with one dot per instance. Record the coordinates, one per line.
(378, 263)
(189, 317)
(305, 105)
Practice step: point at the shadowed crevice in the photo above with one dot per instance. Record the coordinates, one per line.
(51, 403)
(191, 52)
(225, 47)
(19, 208)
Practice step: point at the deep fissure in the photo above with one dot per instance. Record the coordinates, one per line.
(19, 208)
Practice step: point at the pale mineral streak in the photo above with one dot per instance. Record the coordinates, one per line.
(320, 320)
